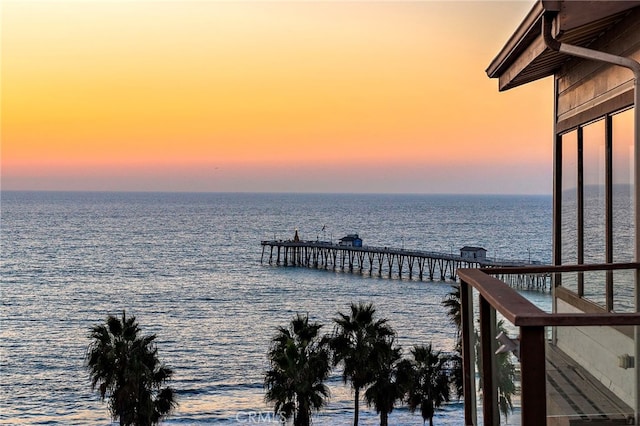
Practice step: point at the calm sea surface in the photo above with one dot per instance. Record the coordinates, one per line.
(188, 267)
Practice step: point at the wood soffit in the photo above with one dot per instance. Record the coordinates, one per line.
(525, 58)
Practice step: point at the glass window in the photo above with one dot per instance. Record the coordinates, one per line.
(623, 208)
(594, 203)
(591, 171)
(594, 192)
(569, 208)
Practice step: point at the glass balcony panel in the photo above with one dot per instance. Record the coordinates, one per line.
(508, 378)
(475, 343)
(589, 380)
(507, 370)
(589, 372)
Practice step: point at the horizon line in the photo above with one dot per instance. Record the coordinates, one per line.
(99, 191)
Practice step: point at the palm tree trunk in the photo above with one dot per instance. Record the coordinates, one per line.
(121, 413)
(356, 410)
(303, 416)
(384, 419)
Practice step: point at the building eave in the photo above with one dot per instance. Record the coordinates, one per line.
(525, 57)
(518, 40)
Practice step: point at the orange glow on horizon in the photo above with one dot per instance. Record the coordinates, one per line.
(152, 86)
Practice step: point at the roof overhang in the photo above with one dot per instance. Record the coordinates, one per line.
(526, 58)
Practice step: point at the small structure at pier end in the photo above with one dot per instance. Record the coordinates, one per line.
(579, 363)
(476, 253)
(351, 240)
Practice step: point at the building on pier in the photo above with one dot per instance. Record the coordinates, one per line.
(476, 253)
(351, 240)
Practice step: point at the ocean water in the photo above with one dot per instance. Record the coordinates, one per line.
(188, 267)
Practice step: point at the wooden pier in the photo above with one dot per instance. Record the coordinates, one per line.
(386, 261)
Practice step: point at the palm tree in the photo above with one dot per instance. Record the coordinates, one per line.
(452, 303)
(354, 343)
(300, 364)
(430, 387)
(506, 373)
(506, 376)
(391, 380)
(455, 370)
(124, 366)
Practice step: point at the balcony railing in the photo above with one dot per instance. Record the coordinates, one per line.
(532, 322)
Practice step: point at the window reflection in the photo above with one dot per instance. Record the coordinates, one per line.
(583, 208)
(594, 194)
(569, 234)
(623, 208)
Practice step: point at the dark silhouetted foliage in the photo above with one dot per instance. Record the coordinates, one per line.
(124, 367)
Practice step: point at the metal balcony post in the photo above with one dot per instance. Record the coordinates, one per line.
(533, 376)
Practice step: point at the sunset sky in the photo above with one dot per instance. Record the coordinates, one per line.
(262, 96)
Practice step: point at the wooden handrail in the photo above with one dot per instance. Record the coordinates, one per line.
(522, 313)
